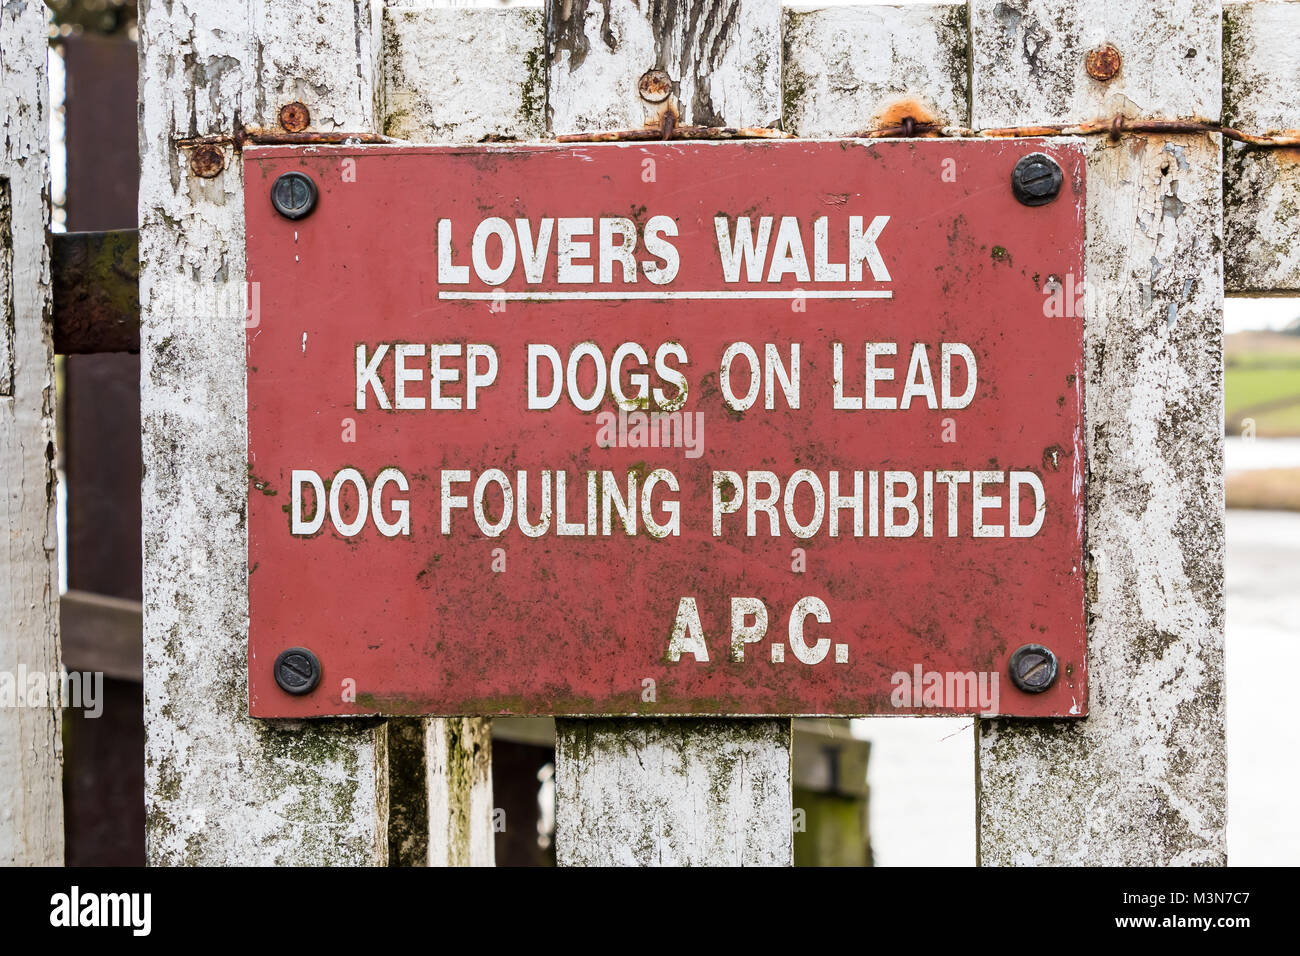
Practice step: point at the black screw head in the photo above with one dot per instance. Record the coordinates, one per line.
(293, 195)
(1036, 180)
(297, 671)
(1033, 668)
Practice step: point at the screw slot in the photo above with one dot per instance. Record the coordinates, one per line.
(297, 671)
(1033, 668)
(293, 195)
(1036, 180)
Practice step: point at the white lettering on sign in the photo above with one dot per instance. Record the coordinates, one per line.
(392, 376)
(496, 244)
(753, 248)
(677, 438)
(405, 373)
(603, 251)
(688, 633)
(642, 387)
(891, 503)
(347, 517)
(871, 377)
(562, 374)
(917, 381)
(896, 504)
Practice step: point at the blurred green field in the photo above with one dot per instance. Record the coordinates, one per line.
(1262, 383)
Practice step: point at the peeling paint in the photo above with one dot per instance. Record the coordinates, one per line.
(1261, 77)
(1142, 779)
(673, 793)
(463, 75)
(852, 68)
(31, 751)
(222, 788)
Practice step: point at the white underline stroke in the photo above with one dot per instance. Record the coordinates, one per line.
(671, 294)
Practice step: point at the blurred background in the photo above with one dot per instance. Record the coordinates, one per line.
(887, 791)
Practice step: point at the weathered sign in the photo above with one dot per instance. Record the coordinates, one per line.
(670, 428)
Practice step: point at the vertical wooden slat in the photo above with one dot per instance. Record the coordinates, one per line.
(31, 795)
(849, 68)
(408, 793)
(441, 811)
(685, 791)
(459, 755)
(1261, 201)
(673, 793)
(724, 56)
(1142, 779)
(461, 76)
(221, 787)
(1027, 60)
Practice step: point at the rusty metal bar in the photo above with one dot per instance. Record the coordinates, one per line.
(96, 278)
(257, 136)
(1119, 125)
(676, 132)
(910, 127)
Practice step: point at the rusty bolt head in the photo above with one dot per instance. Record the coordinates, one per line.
(1033, 668)
(1036, 180)
(1103, 63)
(655, 86)
(207, 161)
(293, 195)
(294, 117)
(297, 671)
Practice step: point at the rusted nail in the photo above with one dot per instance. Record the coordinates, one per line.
(1033, 668)
(294, 117)
(1103, 63)
(667, 125)
(655, 86)
(207, 161)
(1116, 128)
(909, 126)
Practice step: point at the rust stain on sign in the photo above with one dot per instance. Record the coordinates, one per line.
(671, 428)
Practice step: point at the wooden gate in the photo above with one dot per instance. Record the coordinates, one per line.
(1178, 209)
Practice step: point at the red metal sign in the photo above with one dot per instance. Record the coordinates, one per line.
(670, 428)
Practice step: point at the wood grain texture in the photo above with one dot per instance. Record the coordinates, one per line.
(849, 68)
(459, 755)
(31, 754)
(460, 76)
(222, 788)
(463, 75)
(1027, 62)
(1141, 781)
(673, 793)
(690, 791)
(724, 57)
(1261, 201)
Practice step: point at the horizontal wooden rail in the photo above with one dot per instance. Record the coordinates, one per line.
(101, 633)
(96, 279)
